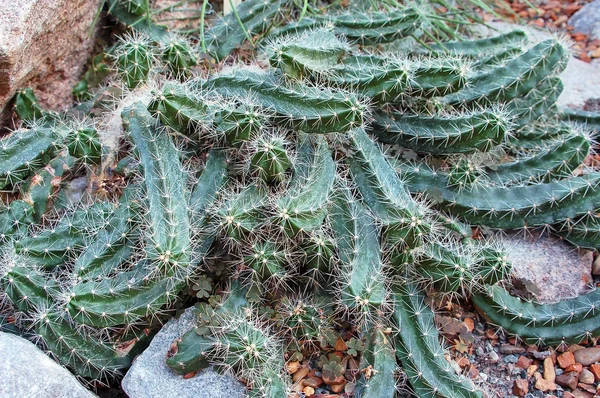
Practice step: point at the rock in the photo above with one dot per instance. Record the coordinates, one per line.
(595, 369)
(523, 362)
(540, 354)
(511, 349)
(568, 380)
(548, 268)
(520, 387)
(576, 367)
(586, 377)
(587, 20)
(493, 357)
(44, 44)
(581, 81)
(549, 373)
(543, 384)
(150, 376)
(565, 360)
(25, 371)
(587, 356)
(582, 394)
(510, 359)
(531, 370)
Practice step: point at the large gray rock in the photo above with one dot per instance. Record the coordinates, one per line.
(150, 377)
(25, 371)
(548, 268)
(587, 20)
(44, 44)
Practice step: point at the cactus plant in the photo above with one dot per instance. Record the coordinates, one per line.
(332, 185)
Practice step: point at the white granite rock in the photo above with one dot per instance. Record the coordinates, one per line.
(26, 372)
(44, 44)
(150, 377)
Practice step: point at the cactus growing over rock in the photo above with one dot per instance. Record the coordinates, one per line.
(335, 172)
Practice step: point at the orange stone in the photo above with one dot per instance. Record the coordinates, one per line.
(576, 367)
(520, 387)
(595, 369)
(523, 362)
(566, 359)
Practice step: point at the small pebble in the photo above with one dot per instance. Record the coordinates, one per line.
(586, 377)
(493, 356)
(510, 359)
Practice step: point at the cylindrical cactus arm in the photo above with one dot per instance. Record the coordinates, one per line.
(312, 52)
(123, 300)
(29, 110)
(179, 56)
(508, 207)
(27, 287)
(363, 288)
(374, 28)
(189, 352)
(381, 357)
(433, 77)
(83, 142)
(14, 218)
(250, 18)
(240, 214)
(84, 353)
(203, 195)
(586, 118)
(134, 58)
(303, 108)
(23, 152)
(419, 350)
(370, 28)
(405, 222)
(165, 187)
(66, 237)
(441, 135)
(303, 208)
(270, 158)
(106, 252)
(448, 269)
(566, 322)
(515, 78)
(539, 102)
(476, 48)
(583, 231)
(182, 107)
(41, 186)
(557, 158)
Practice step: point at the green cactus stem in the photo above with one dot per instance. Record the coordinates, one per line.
(569, 321)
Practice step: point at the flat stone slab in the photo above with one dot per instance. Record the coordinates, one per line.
(150, 377)
(26, 372)
(547, 267)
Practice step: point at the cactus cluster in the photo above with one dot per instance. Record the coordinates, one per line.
(331, 182)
